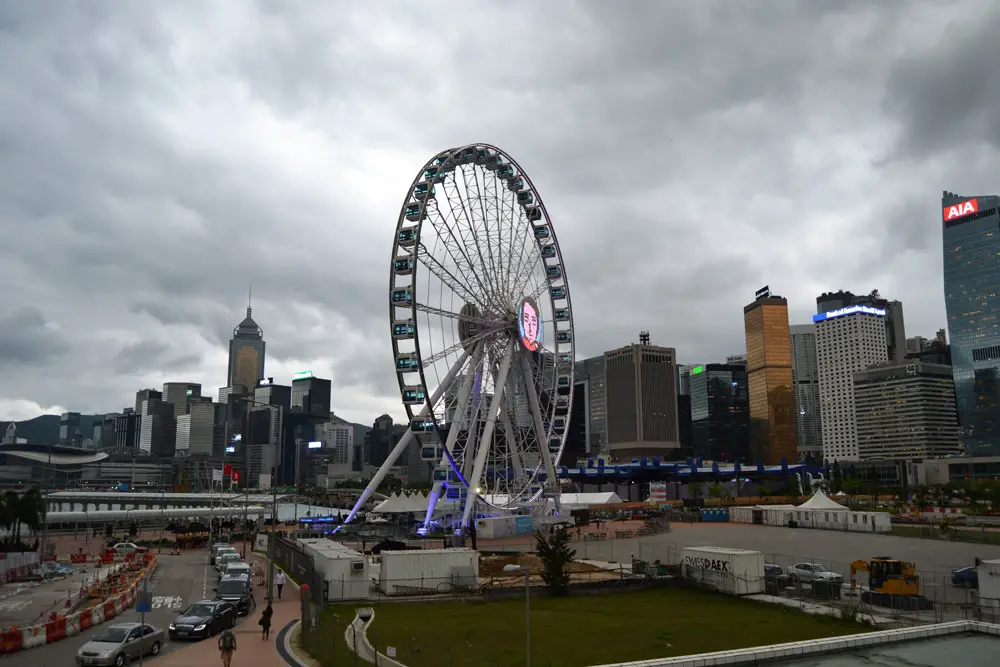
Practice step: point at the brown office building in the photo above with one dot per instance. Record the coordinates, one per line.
(769, 379)
(641, 398)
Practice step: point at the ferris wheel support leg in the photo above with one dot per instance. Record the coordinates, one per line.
(461, 410)
(484, 443)
(541, 433)
(401, 446)
(511, 443)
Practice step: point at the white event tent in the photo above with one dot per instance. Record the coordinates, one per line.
(822, 503)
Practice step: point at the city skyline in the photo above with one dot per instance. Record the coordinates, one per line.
(818, 173)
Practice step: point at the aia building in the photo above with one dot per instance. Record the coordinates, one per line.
(971, 231)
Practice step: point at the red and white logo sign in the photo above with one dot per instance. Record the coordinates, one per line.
(959, 210)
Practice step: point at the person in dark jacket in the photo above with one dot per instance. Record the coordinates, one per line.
(265, 622)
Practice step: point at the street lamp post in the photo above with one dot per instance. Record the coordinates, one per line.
(515, 569)
(272, 539)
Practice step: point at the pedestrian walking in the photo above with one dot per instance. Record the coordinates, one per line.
(227, 646)
(265, 621)
(279, 581)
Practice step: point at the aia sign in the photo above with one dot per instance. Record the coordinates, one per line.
(959, 210)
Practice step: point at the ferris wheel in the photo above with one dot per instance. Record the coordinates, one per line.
(482, 334)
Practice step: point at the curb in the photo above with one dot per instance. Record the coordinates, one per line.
(283, 644)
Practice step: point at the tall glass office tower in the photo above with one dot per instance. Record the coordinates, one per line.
(971, 230)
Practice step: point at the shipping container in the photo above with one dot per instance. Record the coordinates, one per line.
(988, 573)
(420, 572)
(733, 571)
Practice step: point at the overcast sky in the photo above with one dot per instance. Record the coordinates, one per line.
(156, 157)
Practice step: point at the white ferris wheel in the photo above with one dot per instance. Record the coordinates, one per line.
(482, 335)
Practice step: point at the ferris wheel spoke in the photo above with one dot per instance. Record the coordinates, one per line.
(476, 197)
(462, 223)
(440, 312)
(483, 450)
(432, 264)
(470, 223)
(452, 243)
(483, 336)
(518, 233)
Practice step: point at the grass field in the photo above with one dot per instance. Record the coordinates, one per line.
(571, 632)
(962, 534)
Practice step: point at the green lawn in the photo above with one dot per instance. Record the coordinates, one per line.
(962, 534)
(571, 632)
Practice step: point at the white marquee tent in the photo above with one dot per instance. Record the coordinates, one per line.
(822, 503)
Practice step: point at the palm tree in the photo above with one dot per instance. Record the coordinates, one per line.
(8, 516)
(31, 510)
(27, 510)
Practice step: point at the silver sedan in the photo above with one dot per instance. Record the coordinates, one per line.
(118, 644)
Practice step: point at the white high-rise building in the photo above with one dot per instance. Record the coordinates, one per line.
(805, 382)
(848, 340)
(196, 429)
(338, 439)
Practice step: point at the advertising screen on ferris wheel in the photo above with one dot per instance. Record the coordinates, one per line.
(529, 324)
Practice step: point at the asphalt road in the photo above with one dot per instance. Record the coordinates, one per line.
(177, 582)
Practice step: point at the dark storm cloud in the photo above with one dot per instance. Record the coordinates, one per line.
(154, 162)
(27, 339)
(153, 356)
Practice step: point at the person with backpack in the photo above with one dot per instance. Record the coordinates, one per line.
(265, 621)
(279, 581)
(227, 646)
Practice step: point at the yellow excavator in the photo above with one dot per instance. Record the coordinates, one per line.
(891, 583)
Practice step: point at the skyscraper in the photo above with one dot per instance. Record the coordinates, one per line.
(805, 380)
(769, 379)
(971, 230)
(906, 412)
(895, 327)
(848, 340)
(641, 390)
(246, 354)
(720, 412)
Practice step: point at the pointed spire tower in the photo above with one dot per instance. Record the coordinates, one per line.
(246, 351)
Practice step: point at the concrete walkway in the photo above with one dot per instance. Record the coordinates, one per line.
(251, 649)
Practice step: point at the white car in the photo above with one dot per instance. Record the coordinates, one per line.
(808, 572)
(128, 548)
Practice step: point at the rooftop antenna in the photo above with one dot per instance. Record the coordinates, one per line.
(249, 298)
(644, 338)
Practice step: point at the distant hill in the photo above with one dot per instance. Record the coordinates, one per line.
(44, 430)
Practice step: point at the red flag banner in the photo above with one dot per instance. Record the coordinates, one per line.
(236, 475)
(227, 469)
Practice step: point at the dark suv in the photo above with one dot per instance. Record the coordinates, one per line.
(238, 590)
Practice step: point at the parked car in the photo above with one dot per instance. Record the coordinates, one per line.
(236, 590)
(204, 619)
(238, 568)
(224, 559)
(774, 578)
(118, 644)
(216, 548)
(966, 577)
(809, 572)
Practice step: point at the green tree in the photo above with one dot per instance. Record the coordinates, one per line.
(18, 512)
(556, 555)
(715, 490)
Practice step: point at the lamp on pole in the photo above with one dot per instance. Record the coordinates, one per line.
(517, 569)
(271, 540)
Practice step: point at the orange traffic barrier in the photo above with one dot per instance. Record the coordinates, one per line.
(55, 630)
(78, 558)
(11, 641)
